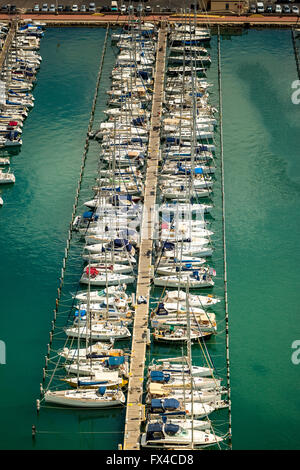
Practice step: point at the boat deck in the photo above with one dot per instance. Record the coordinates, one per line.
(134, 409)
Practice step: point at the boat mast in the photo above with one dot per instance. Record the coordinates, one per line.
(189, 355)
(88, 319)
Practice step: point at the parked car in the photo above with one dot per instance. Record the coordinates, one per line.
(260, 7)
(74, 8)
(286, 9)
(52, 8)
(278, 9)
(36, 7)
(45, 7)
(67, 8)
(295, 9)
(92, 7)
(60, 8)
(269, 9)
(148, 9)
(123, 9)
(252, 8)
(83, 8)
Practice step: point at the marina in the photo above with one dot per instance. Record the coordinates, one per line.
(141, 325)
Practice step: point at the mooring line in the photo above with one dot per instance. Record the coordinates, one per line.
(224, 234)
(296, 52)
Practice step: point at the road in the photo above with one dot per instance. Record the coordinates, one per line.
(212, 19)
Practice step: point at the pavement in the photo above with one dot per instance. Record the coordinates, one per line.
(211, 19)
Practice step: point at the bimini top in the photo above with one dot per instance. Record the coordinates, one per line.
(116, 360)
(167, 403)
(159, 376)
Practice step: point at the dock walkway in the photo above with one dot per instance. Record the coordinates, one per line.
(8, 41)
(134, 411)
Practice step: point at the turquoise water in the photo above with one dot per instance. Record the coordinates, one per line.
(261, 137)
(34, 223)
(262, 179)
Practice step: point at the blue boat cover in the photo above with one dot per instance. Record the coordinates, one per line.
(116, 360)
(101, 391)
(87, 215)
(168, 246)
(82, 313)
(143, 74)
(119, 242)
(158, 376)
(156, 403)
(171, 403)
(171, 428)
(152, 429)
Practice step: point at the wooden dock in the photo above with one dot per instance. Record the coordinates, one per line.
(135, 409)
(8, 41)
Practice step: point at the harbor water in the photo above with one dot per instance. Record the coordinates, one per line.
(262, 181)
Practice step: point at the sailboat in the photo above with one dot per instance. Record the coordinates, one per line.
(167, 435)
(86, 398)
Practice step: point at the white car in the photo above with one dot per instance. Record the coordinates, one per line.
(295, 10)
(45, 7)
(52, 8)
(123, 9)
(74, 8)
(260, 7)
(36, 7)
(278, 9)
